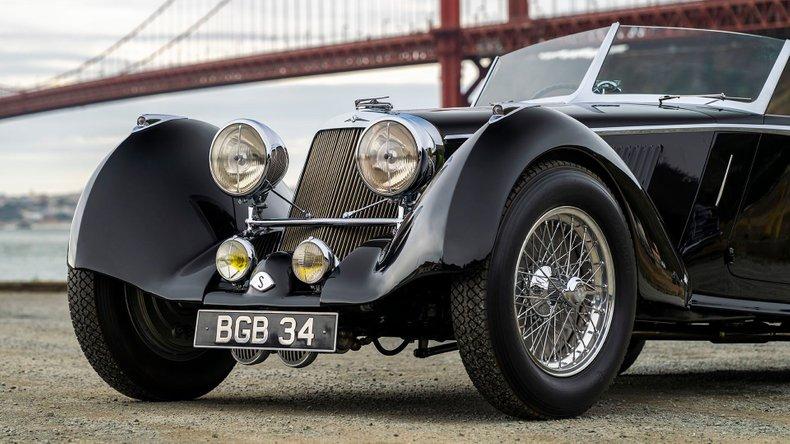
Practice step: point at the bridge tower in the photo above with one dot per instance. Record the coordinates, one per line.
(517, 10)
(449, 49)
(450, 52)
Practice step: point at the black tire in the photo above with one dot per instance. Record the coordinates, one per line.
(635, 347)
(483, 312)
(120, 352)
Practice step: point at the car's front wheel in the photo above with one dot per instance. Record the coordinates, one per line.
(634, 350)
(139, 344)
(544, 324)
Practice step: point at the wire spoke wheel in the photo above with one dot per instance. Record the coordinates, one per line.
(564, 291)
(540, 327)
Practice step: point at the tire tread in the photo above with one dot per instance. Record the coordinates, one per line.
(470, 320)
(83, 288)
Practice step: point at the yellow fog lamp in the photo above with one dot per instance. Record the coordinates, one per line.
(312, 260)
(235, 258)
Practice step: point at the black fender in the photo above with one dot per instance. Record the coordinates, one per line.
(455, 223)
(152, 216)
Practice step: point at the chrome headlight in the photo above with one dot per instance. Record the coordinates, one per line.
(247, 157)
(235, 258)
(392, 155)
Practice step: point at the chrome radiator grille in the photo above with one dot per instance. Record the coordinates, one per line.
(330, 186)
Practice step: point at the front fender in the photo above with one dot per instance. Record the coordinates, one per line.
(455, 223)
(151, 214)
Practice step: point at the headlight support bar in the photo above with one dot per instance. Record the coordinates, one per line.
(323, 221)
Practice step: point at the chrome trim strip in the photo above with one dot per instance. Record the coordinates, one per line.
(458, 136)
(760, 105)
(754, 306)
(585, 88)
(355, 119)
(485, 81)
(320, 222)
(350, 214)
(724, 181)
(651, 129)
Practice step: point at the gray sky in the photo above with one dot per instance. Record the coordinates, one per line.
(57, 151)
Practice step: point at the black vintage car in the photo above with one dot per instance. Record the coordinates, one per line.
(610, 187)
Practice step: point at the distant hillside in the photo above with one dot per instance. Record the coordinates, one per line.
(37, 209)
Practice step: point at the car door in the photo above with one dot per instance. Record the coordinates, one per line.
(760, 240)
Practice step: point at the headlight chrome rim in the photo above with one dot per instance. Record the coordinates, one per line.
(329, 261)
(274, 154)
(425, 145)
(248, 249)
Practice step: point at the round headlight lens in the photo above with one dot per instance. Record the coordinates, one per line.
(235, 258)
(388, 158)
(312, 260)
(247, 157)
(238, 159)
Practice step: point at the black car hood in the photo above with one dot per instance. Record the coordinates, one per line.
(456, 121)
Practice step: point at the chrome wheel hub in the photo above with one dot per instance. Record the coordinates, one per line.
(564, 291)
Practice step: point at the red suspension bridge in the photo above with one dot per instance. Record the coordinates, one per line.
(189, 44)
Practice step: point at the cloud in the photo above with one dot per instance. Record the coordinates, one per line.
(57, 151)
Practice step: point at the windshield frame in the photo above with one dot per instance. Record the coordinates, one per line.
(584, 93)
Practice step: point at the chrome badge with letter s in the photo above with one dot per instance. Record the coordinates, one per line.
(262, 281)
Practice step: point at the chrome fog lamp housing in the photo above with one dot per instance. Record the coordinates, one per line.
(247, 157)
(312, 260)
(235, 259)
(394, 155)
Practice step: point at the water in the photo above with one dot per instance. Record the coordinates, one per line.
(30, 255)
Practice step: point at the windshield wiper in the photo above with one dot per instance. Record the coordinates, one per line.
(716, 97)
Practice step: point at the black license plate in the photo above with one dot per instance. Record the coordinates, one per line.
(266, 330)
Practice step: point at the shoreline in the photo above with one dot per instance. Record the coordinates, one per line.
(34, 286)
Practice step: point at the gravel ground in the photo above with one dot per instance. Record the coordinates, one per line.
(676, 391)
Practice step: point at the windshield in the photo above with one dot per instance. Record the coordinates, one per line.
(643, 62)
(673, 61)
(549, 69)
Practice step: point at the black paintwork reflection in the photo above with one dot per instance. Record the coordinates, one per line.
(761, 238)
(677, 177)
(705, 240)
(152, 216)
(452, 121)
(669, 166)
